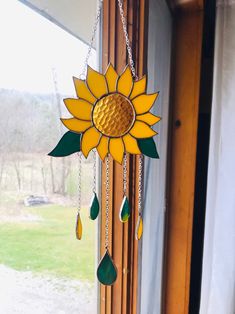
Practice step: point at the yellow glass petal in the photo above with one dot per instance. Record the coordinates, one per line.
(125, 82)
(139, 228)
(149, 118)
(131, 145)
(143, 103)
(76, 125)
(116, 149)
(96, 83)
(111, 77)
(90, 139)
(142, 130)
(102, 148)
(139, 87)
(83, 91)
(79, 108)
(79, 227)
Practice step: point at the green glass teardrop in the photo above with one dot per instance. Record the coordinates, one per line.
(94, 207)
(125, 210)
(107, 271)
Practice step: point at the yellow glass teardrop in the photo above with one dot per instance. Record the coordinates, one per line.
(79, 227)
(139, 228)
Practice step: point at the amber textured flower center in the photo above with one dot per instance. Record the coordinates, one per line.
(113, 115)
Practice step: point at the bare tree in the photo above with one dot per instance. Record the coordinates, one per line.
(52, 175)
(44, 180)
(31, 176)
(16, 163)
(61, 189)
(2, 166)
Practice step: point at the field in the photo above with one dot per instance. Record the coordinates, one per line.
(42, 239)
(43, 267)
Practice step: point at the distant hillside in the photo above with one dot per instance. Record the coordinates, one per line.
(29, 122)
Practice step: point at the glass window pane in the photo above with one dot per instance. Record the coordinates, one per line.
(43, 267)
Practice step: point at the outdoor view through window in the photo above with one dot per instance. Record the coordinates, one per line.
(43, 267)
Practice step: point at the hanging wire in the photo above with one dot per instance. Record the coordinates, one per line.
(107, 182)
(79, 182)
(124, 26)
(128, 45)
(107, 186)
(133, 71)
(82, 74)
(140, 176)
(139, 224)
(98, 14)
(94, 170)
(124, 174)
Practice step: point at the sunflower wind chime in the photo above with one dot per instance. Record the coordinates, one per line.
(110, 115)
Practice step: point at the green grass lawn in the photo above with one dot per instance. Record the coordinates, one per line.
(50, 246)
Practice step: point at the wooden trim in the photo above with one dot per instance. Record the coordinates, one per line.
(186, 5)
(187, 42)
(122, 296)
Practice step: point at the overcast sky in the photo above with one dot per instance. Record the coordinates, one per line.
(30, 46)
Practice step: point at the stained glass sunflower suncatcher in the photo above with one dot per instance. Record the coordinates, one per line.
(112, 114)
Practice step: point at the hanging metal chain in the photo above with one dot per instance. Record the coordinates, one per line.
(124, 26)
(124, 174)
(98, 14)
(107, 186)
(140, 176)
(94, 171)
(128, 45)
(107, 183)
(79, 181)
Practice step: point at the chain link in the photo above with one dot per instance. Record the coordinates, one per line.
(124, 26)
(140, 176)
(107, 186)
(107, 183)
(79, 181)
(124, 174)
(97, 18)
(128, 45)
(94, 171)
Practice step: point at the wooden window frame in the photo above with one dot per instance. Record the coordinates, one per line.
(122, 296)
(185, 84)
(183, 127)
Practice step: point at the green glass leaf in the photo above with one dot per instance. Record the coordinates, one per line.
(107, 271)
(94, 207)
(147, 147)
(69, 144)
(125, 210)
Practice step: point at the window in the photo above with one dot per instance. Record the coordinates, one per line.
(42, 264)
